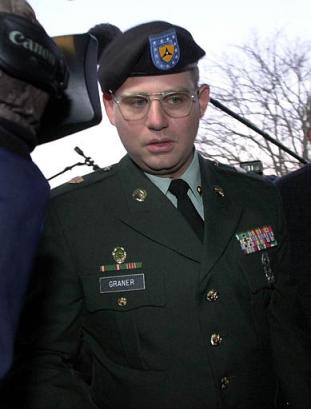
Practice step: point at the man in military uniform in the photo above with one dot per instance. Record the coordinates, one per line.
(138, 303)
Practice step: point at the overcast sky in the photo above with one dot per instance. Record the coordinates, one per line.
(215, 25)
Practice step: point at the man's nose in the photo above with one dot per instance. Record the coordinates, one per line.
(156, 117)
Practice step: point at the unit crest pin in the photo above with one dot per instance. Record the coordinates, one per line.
(119, 254)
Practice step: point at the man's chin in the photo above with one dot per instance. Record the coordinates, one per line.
(168, 171)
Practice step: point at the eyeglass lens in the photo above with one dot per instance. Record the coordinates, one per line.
(174, 104)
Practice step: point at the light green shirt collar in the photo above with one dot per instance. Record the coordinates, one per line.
(192, 176)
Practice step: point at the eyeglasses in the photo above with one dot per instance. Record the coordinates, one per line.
(176, 104)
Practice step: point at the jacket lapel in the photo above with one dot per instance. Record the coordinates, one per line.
(221, 214)
(148, 211)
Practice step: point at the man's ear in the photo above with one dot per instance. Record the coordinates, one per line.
(109, 107)
(203, 98)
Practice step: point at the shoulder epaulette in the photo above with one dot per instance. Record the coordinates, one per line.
(79, 182)
(239, 172)
(227, 167)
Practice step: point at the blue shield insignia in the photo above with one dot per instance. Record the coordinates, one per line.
(164, 50)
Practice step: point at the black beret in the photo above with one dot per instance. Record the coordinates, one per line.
(154, 48)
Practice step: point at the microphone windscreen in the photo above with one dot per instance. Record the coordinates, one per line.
(104, 33)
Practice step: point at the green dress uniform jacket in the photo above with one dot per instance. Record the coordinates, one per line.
(134, 312)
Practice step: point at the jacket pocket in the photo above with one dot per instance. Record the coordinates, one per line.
(113, 291)
(260, 275)
(129, 324)
(259, 271)
(116, 386)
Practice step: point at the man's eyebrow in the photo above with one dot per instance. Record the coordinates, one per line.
(167, 91)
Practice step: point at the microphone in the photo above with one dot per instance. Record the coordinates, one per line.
(79, 151)
(88, 160)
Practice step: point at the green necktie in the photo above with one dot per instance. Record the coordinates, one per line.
(179, 188)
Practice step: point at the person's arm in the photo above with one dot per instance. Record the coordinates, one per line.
(24, 191)
(292, 358)
(45, 373)
(24, 194)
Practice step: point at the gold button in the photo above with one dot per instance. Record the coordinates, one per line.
(216, 340)
(122, 301)
(224, 382)
(212, 295)
(139, 195)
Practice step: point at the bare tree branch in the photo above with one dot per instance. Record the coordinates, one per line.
(268, 82)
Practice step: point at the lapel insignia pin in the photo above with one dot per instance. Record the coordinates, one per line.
(219, 191)
(256, 239)
(76, 179)
(119, 254)
(199, 190)
(139, 195)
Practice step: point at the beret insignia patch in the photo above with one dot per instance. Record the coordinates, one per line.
(164, 50)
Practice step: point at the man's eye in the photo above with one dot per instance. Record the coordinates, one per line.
(135, 101)
(175, 99)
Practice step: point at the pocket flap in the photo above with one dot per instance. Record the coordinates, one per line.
(122, 292)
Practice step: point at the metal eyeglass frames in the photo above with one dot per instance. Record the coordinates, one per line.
(175, 104)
